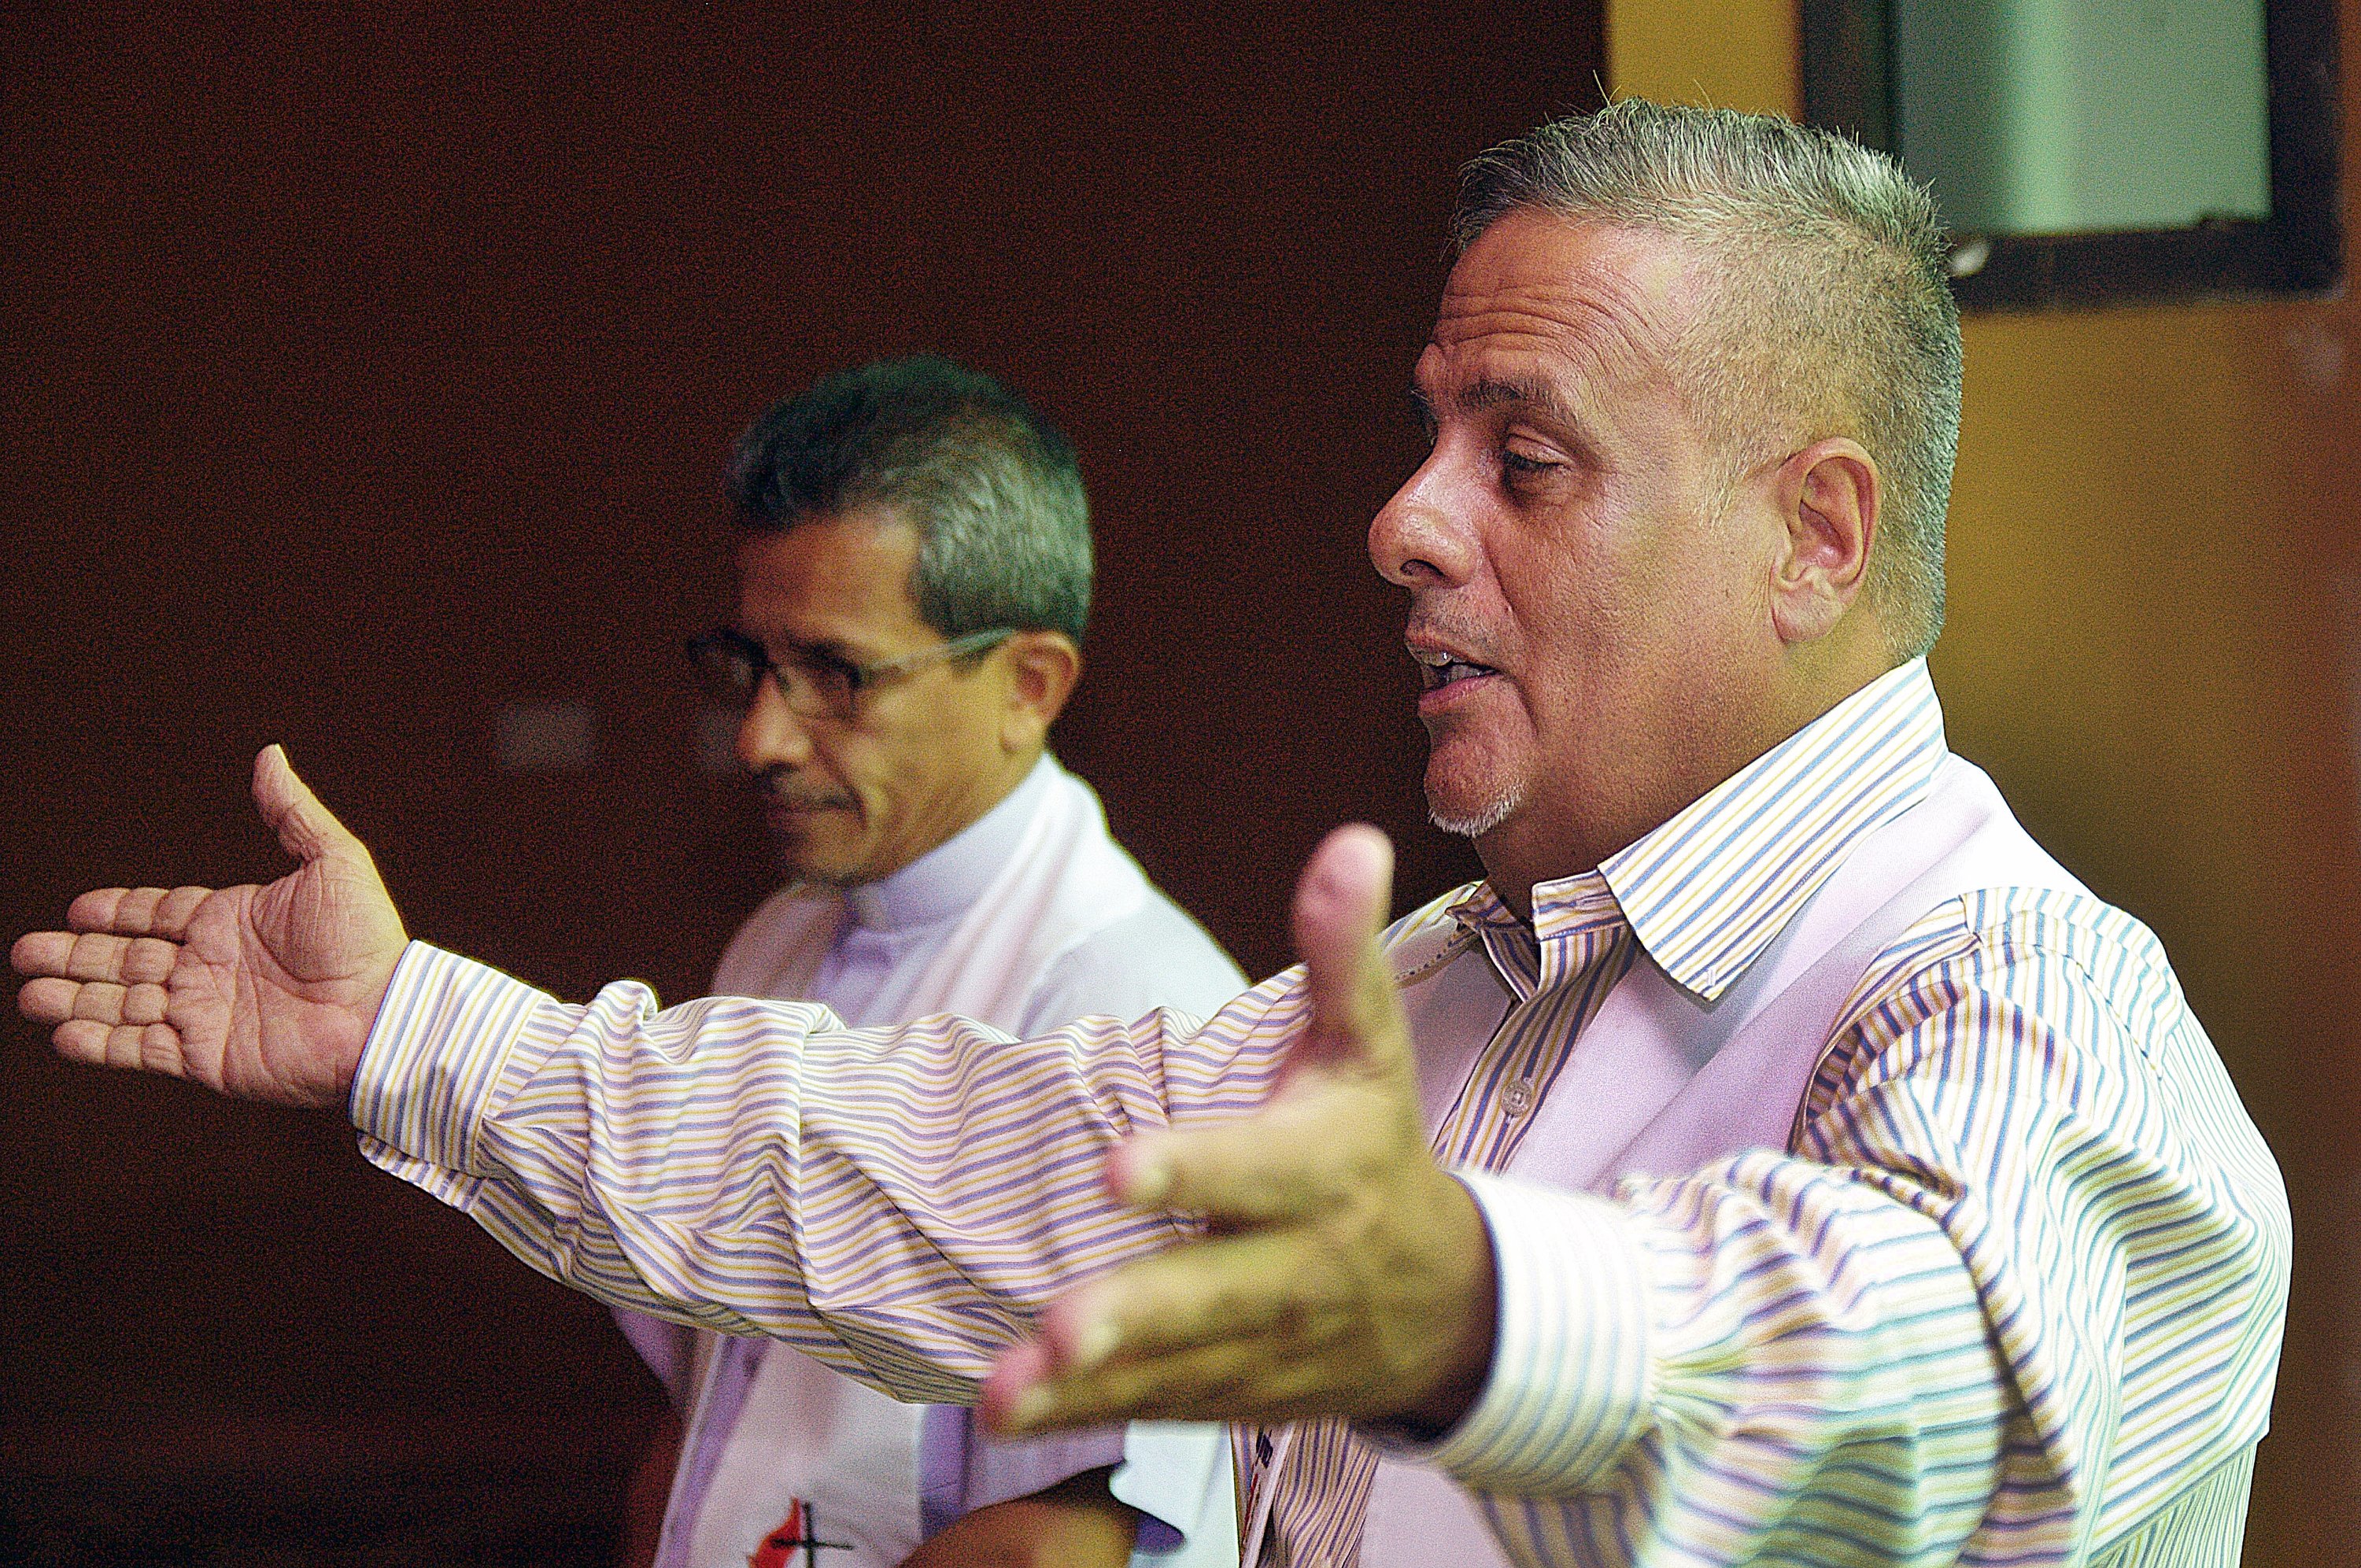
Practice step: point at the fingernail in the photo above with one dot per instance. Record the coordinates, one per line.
(1093, 1344)
(1147, 1181)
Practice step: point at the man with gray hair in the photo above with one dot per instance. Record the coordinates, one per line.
(1777, 1157)
(913, 585)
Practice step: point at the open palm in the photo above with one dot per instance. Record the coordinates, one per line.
(262, 993)
(1342, 1270)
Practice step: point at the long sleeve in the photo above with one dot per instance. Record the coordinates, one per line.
(2015, 1289)
(850, 1192)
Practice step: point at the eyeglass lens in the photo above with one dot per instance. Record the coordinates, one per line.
(733, 666)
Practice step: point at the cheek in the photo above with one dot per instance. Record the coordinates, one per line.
(846, 764)
(1640, 611)
(893, 769)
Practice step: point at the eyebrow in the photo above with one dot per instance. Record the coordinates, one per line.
(826, 647)
(1494, 391)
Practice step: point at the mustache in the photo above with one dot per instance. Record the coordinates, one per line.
(1470, 642)
(779, 787)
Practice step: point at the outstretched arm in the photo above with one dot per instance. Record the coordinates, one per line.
(260, 993)
(1347, 1272)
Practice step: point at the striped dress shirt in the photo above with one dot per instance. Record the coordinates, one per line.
(2011, 1293)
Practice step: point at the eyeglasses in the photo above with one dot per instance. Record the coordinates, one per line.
(816, 683)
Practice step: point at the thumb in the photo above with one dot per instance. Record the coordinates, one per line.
(290, 809)
(1340, 909)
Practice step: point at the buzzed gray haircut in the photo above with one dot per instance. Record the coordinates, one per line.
(990, 487)
(1827, 310)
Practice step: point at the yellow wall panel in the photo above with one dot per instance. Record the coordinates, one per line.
(1729, 54)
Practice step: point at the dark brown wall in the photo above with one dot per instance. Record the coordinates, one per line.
(365, 375)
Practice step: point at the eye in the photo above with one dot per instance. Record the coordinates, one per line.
(831, 672)
(1518, 464)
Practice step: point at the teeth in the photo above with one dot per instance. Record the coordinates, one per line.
(1437, 669)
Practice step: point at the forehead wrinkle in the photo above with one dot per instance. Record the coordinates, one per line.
(1617, 318)
(1556, 374)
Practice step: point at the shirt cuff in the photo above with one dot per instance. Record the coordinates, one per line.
(1570, 1382)
(435, 1060)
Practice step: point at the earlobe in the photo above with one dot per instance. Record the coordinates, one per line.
(1829, 496)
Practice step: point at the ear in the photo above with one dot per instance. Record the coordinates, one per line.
(1828, 497)
(1042, 667)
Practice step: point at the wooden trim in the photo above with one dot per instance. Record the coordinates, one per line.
(2299, 250)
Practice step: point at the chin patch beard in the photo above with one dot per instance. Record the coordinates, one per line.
(1476, 823)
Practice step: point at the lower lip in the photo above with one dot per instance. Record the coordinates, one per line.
(1444, 698)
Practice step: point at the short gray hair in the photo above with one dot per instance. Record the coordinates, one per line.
(1827, 313)
(992, 488)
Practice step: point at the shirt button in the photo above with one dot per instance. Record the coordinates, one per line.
(1517, 1097)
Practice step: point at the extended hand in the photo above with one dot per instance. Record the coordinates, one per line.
(262, 993)
(1346, 1274)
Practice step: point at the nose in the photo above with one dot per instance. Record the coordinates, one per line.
(770, 735)
(1420, 538)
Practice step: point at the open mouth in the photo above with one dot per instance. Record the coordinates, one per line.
(1438, 668)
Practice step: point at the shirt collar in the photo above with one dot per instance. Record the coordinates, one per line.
(947, 879)
(1707, 891)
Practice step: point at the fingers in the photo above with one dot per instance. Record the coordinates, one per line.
(1010, 1402)
(100, 990)
(46, 1001)
(91, 955)
(306, 828)
(1340, 909)
(1225, 1328)
(104, 1024)
(1229, 1288)
(133, 1047)
(101, 986)
(1293, 1159)
(1340, 899)
(1221, 1381)
(137, 911)
(62, 1000)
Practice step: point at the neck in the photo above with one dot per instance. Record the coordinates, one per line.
(1551, 839)
(973, 804)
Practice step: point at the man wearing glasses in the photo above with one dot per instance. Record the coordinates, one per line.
(912, 591)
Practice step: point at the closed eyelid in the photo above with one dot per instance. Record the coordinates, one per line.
(1506, 403)
(1545, 449)
(1558, 431)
